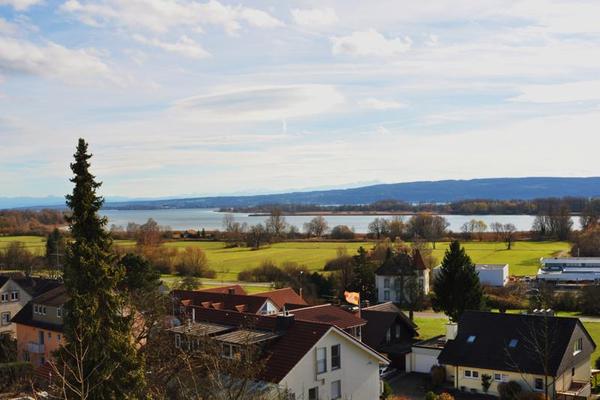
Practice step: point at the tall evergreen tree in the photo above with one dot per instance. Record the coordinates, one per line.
(98, 360)
(456, 287)
(363, 276)
(55, 251)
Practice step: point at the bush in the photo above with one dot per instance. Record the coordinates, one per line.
(342, 232)
(531, 396)
(445, 396)
(340, 262)
(566, 301)
(589, 301)
(13, 373)
(509, 390)
(193, 262)
(431, 396)
(266, 272)
(438, 375)
(387, 391)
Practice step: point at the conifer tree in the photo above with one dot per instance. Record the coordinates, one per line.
(98, 360)
(456, 287)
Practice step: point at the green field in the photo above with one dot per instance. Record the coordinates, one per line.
(430, 327)
(523, 258)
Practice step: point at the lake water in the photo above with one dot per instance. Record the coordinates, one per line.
(210, 219)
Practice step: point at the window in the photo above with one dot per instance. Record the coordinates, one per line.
(177, 341)
(577, 346)
(5, 318)
(14, 296)
(386, 283)
(513, 343)
(227, 351)
(471, 374)
(313, 393)
(59, 312)
(336, 390)
(498, 377)
(49, 335)
(4, 297)
(398, 297)
(471, 339)
(573, 371)
(386, 294)
(26, 356)
(398, 331)
(43, 310)
(321, 360)
(388, 335)
(58, 337)
(36, 309)
(539, 384)
(336, 361)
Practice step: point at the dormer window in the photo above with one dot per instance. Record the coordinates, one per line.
(14, 296)
(471, 339)
(513, 343)
(4, 297)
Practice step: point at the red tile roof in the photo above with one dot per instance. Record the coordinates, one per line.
(224, 301)
(237, 289)
(328, 314)
(282, 297)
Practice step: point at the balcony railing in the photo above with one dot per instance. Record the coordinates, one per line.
(35, 348)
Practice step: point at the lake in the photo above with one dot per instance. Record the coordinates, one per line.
(210, 219)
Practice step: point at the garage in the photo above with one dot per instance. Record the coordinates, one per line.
(423, 356)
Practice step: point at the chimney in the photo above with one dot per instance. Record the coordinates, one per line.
(285, 320)
(231, 291)
(451, 330)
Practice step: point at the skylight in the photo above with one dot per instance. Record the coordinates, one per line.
(513, 343)
(471, 339)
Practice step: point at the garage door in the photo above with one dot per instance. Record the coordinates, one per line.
(423, 363)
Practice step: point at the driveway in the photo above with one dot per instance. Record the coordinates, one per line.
(412, 386)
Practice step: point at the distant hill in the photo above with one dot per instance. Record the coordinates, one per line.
(414, 192)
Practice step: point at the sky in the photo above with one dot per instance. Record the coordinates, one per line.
(195, 97)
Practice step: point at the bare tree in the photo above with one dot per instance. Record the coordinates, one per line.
(316, 227)
(379, 227)
(234, 231)
(276, 224)
(257, 235)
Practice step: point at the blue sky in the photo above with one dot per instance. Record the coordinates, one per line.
(195, 97)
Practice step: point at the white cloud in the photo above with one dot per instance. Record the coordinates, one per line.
(369, 43)
(51, 60)
(264, 103)
(560, 93)
(19, 5)
(162, 16)
(379, 104)
(185, 46)
(314, 17)
(7, 27)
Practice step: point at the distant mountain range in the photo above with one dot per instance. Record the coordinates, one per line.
(414, 192)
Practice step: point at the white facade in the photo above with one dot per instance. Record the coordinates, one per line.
(489, 274)
(569, 269)
(357, 377)
(389, 286)
(12, 299)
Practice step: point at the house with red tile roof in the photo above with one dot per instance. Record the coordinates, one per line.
(309, 359)
(283, 296)
(333, 315)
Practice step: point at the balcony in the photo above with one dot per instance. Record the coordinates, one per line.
(35, 348)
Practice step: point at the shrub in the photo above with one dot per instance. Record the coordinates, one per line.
(445, 396)
(486, 382)
(340, 262)
(193, 262)
(509, 390)
(342, 232)
(431, 396)
(438, 375)
(267, 271)
(13, 373)
(589, 301)
(387, 391)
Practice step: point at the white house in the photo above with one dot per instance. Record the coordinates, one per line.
(569, 269)
(489, 274)
(393, 276)
(310, 360)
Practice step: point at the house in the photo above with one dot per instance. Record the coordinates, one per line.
(514, 347)
(231, 299)
(393, 277)
(389, 331)
(489, 274)
(569, 269)
(311, 360)
(39, 326)
(15, 292)
(347, 321)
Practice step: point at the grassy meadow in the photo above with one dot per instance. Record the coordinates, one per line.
(523, 258)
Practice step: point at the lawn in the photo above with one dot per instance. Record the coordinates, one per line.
(430, 327)
(523, 258)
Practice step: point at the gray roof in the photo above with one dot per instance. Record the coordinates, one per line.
(246, 336)
(201, 329)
